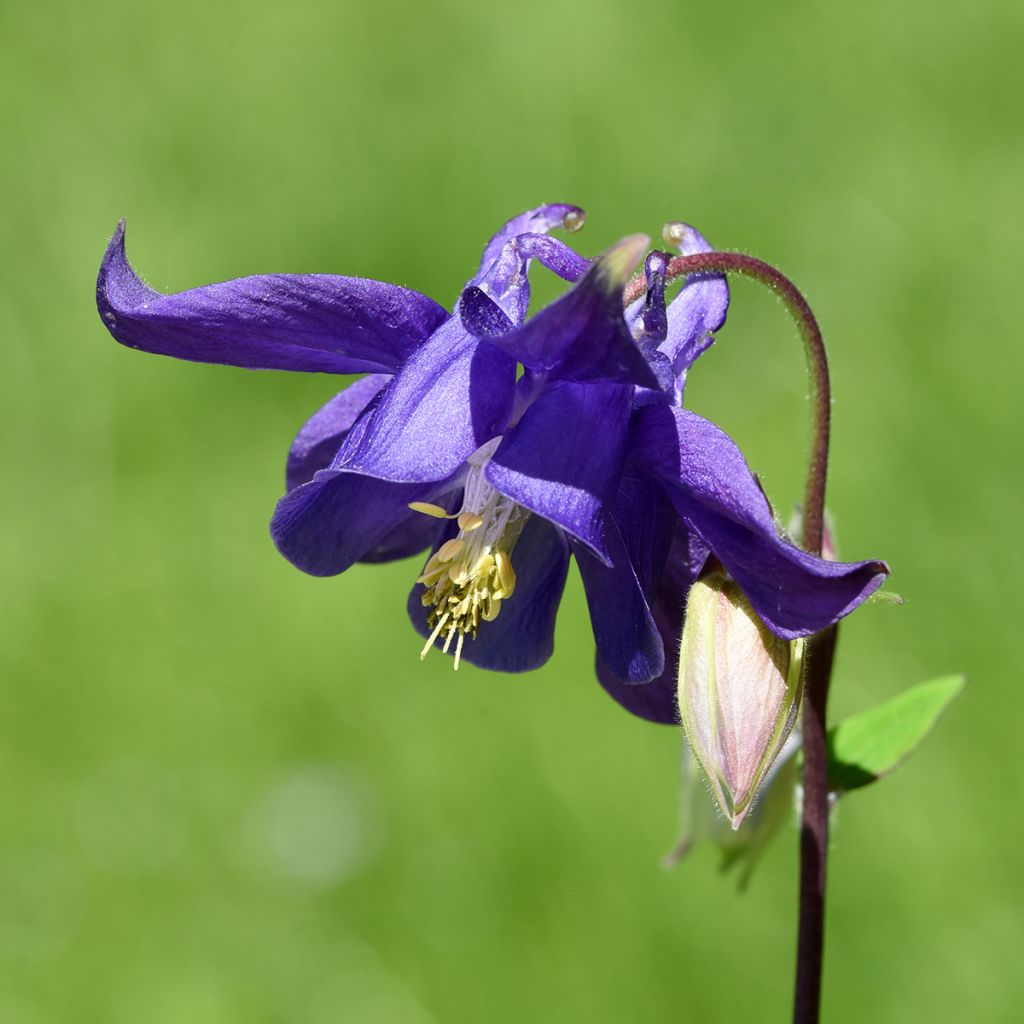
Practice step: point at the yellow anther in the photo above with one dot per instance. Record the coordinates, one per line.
(449, 549)
(470, 521)
(506, 574)
(429, 578)
(429, 509)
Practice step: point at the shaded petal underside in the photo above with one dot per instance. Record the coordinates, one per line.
(323, 527)
(656, 700)
(318, 441)
(712, 488)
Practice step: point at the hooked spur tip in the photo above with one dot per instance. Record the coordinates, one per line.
(574, 219)
(674, 233)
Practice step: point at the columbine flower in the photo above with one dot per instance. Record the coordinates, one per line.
(440, 446)
(684, 492)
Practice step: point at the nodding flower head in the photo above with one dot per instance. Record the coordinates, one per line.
(494, 441)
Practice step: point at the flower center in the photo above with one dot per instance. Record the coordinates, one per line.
(469, 576)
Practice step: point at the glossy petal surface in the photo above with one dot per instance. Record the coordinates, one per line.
(453, 395)
(713, 490)
(562, 460)
(309, 322)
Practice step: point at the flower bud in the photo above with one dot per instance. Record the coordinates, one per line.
(739, 691)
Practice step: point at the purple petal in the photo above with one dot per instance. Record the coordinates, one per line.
(503, 269)
(712, 488)
(522, 637)
(554, 254)
(311, 322)
(648, 322)
(562, 460)
(318, 441)
(414, 534)
(583, 336)
(698, 310)
(454, 394)
(653, 315)
(624, 629)
(481, 315)
(484, 317)
(638, 536)
(656, 701)
(325, 526)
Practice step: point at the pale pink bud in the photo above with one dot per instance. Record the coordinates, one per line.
(739, 691)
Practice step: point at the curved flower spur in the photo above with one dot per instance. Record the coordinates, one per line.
(440, 446)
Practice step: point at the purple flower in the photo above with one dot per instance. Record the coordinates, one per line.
(684, 488)
(589, 452)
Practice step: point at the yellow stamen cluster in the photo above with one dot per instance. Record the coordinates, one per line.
(463, 587)
(469, 576)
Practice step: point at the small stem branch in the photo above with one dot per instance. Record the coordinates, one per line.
(814, 827)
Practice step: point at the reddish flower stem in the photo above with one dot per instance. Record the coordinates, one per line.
(814, 827)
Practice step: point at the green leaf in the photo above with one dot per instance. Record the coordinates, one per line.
(875, 742)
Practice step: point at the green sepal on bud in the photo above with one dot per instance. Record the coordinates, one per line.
(740, 850)
(739, 691)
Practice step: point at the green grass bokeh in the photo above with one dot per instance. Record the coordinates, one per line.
(230, 792)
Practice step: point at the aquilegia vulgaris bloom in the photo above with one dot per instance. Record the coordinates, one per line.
(445, 445)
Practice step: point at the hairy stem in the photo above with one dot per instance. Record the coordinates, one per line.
(813, 832)
(814, 827)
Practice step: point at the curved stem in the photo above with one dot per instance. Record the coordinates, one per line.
(814, 350)
(814, 826)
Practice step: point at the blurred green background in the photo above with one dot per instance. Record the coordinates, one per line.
(230, 792)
